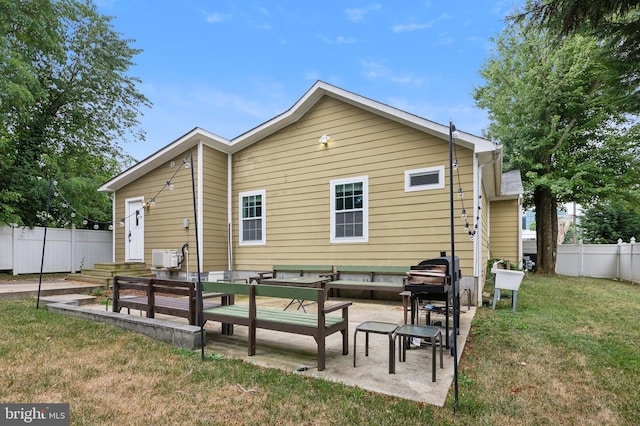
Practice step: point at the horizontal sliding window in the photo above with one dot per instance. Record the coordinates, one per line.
(424, 179)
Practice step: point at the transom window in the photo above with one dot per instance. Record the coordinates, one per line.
(252, 218)
(424, 179)
(349, 210)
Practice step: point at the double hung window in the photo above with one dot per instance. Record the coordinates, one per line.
(252, 218)
(349, 210)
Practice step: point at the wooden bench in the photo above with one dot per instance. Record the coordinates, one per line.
(170, 297)
(368, 283)
(293, 269)
(319, 325)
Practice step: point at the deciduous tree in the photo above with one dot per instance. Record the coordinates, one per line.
(559, 110)
(609, 221)
(66, 98)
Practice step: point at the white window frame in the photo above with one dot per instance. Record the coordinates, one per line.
(365, 210)
(263, 240)
(409, 173)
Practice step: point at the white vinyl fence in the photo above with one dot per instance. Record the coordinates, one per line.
(66, 250)
(620, 261)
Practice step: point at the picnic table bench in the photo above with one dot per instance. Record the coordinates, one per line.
(319, 325)
(170, 297)
(279, 271)
(367, 282)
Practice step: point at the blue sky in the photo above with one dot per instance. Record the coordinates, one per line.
(228, 66)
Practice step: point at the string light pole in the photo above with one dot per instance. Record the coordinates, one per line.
(195, 220)
(454, 275)
(44, 241)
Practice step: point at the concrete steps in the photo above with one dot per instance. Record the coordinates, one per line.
(103, 273)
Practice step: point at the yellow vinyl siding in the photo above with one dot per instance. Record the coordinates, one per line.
(295, 170)
(505, 217)
(163, 223)
(215, 217)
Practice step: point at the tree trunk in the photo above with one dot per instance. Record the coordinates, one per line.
(546, 230)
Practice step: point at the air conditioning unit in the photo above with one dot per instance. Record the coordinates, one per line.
(164, 258)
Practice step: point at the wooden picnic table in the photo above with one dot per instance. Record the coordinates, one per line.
(303, 281)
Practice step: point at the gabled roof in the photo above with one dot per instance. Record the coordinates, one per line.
(292, 115)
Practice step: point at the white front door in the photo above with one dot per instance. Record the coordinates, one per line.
(134, 230)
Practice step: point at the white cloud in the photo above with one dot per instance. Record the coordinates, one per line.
(403, 28)
(214, 18)
(445, 39)
(378, 70)
(358, 14)
(345, 40)
(337, 40)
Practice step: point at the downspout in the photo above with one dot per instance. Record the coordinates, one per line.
(113, 221)
(520, 249)
(229, 218)
(478, 266)
(200, 207)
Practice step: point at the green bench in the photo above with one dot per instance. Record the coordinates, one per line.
(319, 325)
(293, 269)
(368, 281)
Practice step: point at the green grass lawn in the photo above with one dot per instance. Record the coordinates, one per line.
(569, 355)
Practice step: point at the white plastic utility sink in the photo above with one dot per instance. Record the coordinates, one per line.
(506, 279)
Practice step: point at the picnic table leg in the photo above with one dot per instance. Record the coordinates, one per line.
(227, 329)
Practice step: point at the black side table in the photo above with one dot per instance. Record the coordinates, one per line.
(432, 333)
(378, 328)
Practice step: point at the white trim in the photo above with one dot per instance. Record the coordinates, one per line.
(477, 218)
(365, 210)
(427, 170)
(115, 224)
(263, 239)
(229, 212)
(199, 206)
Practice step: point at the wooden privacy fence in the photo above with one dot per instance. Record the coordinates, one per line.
(66, 250)
(620, 261)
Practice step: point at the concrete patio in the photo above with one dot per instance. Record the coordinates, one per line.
(292, 353)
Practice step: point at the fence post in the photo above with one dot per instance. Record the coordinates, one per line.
(15, 247)
(619, 258)
(74, 247)
(580, 259)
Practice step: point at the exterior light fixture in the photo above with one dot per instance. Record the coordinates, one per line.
(324, 139)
